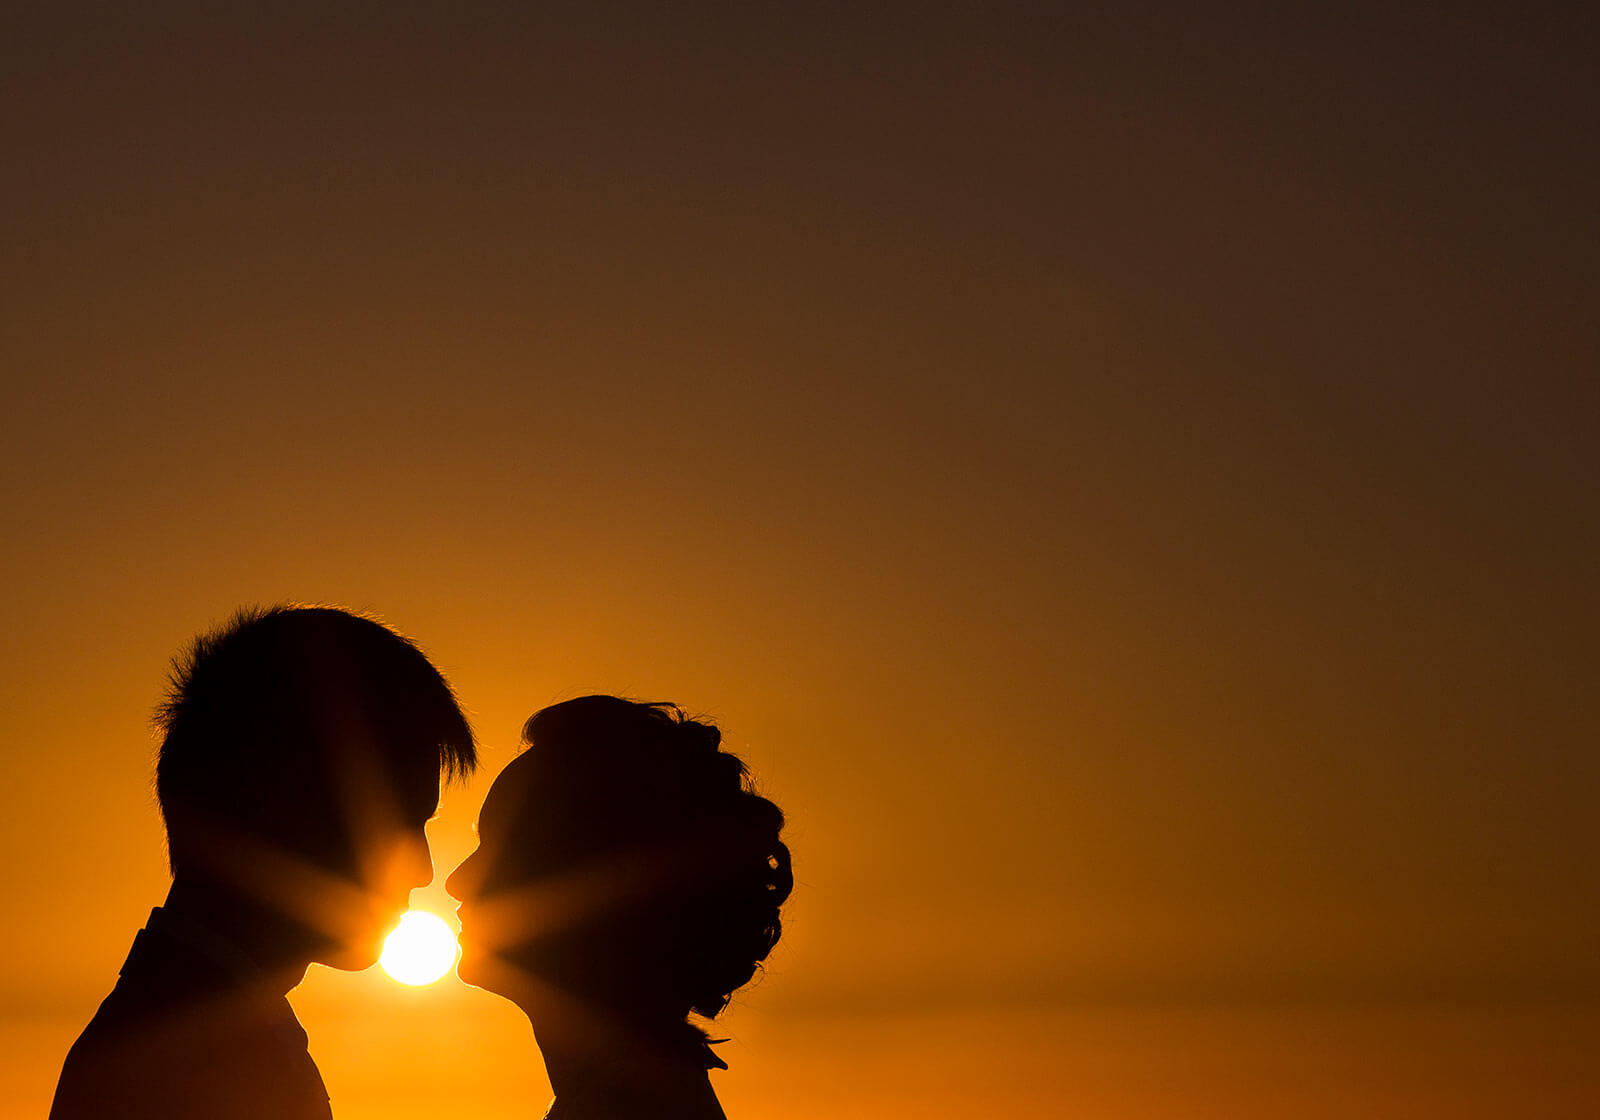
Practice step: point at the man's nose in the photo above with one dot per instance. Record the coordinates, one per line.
(414, 861)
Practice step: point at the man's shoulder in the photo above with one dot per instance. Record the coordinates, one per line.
(147, 1053)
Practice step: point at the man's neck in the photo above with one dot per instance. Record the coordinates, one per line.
(240, 935)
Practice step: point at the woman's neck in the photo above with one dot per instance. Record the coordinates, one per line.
(611, 1069)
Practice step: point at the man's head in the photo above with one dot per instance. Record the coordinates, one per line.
(302, 751)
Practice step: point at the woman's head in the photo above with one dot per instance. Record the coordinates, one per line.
(625, 866)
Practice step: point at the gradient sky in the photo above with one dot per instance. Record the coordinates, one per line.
(1125, 479)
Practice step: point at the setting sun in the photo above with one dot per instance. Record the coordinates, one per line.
(420, 950)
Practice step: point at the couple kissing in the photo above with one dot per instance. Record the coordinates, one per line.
(627, 875)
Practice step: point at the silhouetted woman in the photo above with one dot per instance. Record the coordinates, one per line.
(626, 876)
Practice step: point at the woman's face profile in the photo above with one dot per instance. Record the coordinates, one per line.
(495, 885)
(622, 871)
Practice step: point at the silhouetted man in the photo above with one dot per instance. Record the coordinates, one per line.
(302, 754)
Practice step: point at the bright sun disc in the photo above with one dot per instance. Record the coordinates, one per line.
(420, 949)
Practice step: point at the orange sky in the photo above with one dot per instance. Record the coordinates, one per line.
(1126, 483)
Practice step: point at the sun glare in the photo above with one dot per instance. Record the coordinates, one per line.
(419, 950)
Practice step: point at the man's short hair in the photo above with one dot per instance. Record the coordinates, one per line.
(271, 718)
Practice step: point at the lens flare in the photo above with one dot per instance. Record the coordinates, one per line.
(420, 950)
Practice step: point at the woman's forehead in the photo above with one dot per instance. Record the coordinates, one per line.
(507, 797)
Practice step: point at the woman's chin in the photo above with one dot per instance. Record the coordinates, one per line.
(480, 970)
(468, 967)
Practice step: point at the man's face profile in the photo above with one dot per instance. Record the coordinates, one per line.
(384, 856)
(301, 762)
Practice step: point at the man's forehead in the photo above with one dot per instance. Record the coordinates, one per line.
(418, 788)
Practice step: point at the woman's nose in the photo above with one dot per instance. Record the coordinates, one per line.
(462, 881)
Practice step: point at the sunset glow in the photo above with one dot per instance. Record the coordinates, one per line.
(420, 950)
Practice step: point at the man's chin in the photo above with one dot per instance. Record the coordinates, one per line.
(351, 956)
